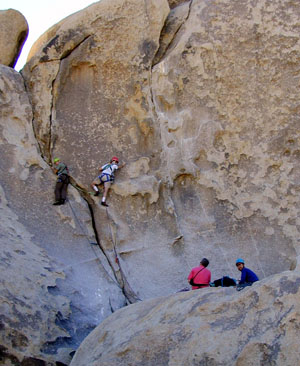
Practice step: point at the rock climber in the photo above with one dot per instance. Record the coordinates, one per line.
(106, 178)
(61, 170)
(248, 277)
(200, 276)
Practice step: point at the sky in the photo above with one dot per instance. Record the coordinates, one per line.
(40, 16)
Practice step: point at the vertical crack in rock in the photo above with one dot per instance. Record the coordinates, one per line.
(123, 283)
(170, 29)
(40, 151)
(50, 121)
(128, 292)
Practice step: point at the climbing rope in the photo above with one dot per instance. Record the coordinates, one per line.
(76, 186)
(92, 245)
(114, 241)
(226, 260)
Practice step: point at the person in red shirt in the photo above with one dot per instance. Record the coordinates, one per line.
(199, 277)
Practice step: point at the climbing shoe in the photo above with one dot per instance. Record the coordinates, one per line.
(62, 201)
(96, 193)
(56, 203)
(104, 204)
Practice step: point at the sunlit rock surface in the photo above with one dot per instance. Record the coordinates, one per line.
(257, 326)
(13, 34)
(200, 99)
(208, 131)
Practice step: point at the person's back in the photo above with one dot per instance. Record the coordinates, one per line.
(200, 275)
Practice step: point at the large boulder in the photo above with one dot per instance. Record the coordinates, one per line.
(89, 80)
(215, 327)
(13, 34)
(201, 102)
(206, 123)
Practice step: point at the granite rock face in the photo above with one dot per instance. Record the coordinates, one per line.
(218, 327)
(13, 34)
(201, 102)
(55, 286)
(226, 98)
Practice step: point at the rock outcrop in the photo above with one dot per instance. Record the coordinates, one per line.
(201, 102)
(217, 327)
(56, 286)
(13, 34)
(210, 160)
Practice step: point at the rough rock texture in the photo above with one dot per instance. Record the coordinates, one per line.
(175, 3)
(226, 99)
(216, 327)
(201, 102)
(209, 133)
(36, 320)
(89, 83)
(13, 34)
(28, 309)
(174, 21)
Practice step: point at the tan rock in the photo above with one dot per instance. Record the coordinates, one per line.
(174, 3)
(227, 115)
(209, 135)
(175, 20)
(107, 49)
(13, 34)
(218, 174)
(256, 326)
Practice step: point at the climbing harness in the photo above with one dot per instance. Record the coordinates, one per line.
(105, 177)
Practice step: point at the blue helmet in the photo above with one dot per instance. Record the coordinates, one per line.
(239, 260)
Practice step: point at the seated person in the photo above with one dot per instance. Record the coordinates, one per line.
(199, 277)
(248, 277)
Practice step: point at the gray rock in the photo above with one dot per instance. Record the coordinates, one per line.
(219, 327)
(208, 131)
(64, 284)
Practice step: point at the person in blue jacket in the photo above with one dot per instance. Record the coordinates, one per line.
(248, 277)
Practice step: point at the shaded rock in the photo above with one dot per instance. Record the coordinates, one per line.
(13, 34)
(173, 23)
(257, 326)
(174, 3)
(58, 285)
(29, 311)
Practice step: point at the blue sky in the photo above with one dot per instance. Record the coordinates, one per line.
(40, 16)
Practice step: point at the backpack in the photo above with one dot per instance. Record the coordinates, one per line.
(225, 281)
